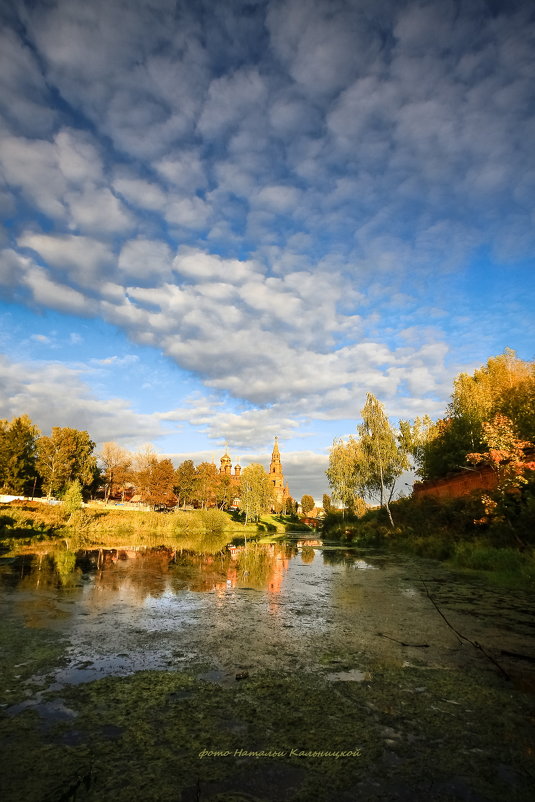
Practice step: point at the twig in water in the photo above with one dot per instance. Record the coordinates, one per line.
(402, 643)
(462, 637)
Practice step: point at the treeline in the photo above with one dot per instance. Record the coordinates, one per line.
(34, 464)
(490, 421)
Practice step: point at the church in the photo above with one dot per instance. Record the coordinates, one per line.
(281, 491)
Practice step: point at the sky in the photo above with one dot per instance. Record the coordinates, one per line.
(225, 221)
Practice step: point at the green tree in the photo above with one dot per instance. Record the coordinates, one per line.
(307, 504)
(225, 490)
(73, 499)
(256, 491)
(116, 464)
(18, 444)
(346, 471)
(327, 503)
(386, 458)
(63, 457)
(185, 482)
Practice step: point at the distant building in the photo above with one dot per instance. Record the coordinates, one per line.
(281, 491)
(226, 468)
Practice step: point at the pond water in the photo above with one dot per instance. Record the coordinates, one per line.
(369, 629)
(268, 606)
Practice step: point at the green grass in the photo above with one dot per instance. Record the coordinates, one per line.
(26, 524)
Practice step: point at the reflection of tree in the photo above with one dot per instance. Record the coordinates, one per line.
(65, 565)
(307, 554)
(338, 556)
(200, 573)
(262, 567)
(138, 573)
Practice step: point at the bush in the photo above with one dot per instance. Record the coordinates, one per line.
(214, 522)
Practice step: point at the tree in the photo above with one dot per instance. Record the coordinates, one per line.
(225, 490)
(117, 463)
(63, 457)
(72, 499)
(185, 482)
(307, 504)
(290, 506)
(505, 385)
(155, 480)
(207, 477)
(386, 458)
(256, 491)
(346, 471)
(327, 503)
(506, 455)
(18, 443)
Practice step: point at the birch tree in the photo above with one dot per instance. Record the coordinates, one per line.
(385, 458)
(256, 493)
(117, 463)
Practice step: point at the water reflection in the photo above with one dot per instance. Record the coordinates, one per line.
(291, 604)
(138, 572)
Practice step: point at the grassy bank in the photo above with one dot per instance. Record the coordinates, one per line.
(29, 523)
(450, 530)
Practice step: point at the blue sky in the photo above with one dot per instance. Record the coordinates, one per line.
(225, 221)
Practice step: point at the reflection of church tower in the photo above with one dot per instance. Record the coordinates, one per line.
(280, 491)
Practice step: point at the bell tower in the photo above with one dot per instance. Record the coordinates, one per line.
(280, 492)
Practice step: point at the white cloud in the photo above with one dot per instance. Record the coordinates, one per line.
(96, 210)
(141, 193)
(31, 167)
(275, 200)
(24, 97)
(193, 213)
(51, 294)
(145, 259)
(83, 259)
(32, 389)
(230, 98)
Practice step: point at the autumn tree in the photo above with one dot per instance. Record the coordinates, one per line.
(256, 491)
(290, 506)
(506, 455)
(116, 463)
(307, 504)
(504, 385)
(18, 445)
(185, 482)
(63, 457)
(327, 503)
(155, 479)
(207, 477)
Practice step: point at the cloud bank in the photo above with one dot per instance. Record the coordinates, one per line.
(291, 201)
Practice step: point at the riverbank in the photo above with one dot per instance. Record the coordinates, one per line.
(454, 532)
(28, 523)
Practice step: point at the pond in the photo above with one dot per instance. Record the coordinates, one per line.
(285, 671)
